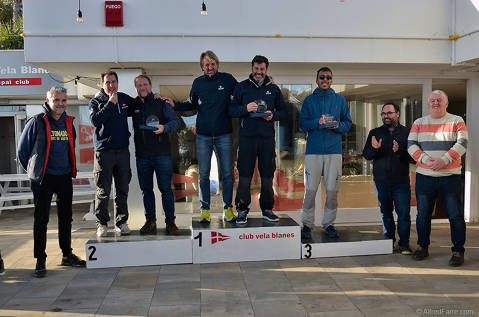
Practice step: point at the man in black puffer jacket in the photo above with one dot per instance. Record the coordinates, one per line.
(258, 103)
(387, 147)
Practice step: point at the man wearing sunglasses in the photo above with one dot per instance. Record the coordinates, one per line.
(387, 147)
(324, 117)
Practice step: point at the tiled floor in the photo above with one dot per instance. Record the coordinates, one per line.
(386, 285)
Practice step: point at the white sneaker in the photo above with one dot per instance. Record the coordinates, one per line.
(101, 230)
(122, 230)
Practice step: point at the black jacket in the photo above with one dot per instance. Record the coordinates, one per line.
(389, 166)
(110, 121)
(147, 143)
(249, 91)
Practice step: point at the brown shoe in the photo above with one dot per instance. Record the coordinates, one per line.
(149, 227)
(171, 228)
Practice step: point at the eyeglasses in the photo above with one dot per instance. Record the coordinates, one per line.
(383, 114)
(328, 77)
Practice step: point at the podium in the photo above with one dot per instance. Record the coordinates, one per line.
(221, 241)
(257, 240)
(351, 241)
(139, 250)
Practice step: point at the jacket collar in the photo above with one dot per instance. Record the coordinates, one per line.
(48, 112)
(267, 81)
(150, 97)
(329, 91)
(103, 96)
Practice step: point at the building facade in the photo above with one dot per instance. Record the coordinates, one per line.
(379, 50)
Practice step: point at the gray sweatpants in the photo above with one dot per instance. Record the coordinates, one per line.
(330, 167)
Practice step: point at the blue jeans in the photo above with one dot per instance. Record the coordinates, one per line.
(223, 146)
(163, 169)
(395, 197)
(449, 188)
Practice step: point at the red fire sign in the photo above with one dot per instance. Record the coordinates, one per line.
(114, 13)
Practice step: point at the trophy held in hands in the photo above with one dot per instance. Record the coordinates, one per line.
(260, 112)
(151, 122)
(329, 121)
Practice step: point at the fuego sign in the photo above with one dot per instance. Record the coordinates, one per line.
(114, 13)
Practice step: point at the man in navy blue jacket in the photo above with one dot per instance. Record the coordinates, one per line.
(258, 102)
(108, 114)
(387, 147)
(211, 95)
(47, 152)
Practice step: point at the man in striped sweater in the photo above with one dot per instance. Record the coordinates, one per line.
(437, 142)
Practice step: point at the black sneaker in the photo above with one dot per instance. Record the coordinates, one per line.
(40, 269)
(72, 260)
(242, 217)
(2, 267)
(332, 233)
(420, 254)
(306, 232)
(270, 216)
(457, 259)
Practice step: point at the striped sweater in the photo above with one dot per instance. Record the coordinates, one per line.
(444, 138)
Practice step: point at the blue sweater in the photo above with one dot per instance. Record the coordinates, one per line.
(110, 121)
(249, 91)
(211, 96)
(321, 140)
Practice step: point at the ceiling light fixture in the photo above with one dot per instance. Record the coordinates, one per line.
(79, 14)
(203, 9)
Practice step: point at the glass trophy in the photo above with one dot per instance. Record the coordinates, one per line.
(260, 112)
(150, 124)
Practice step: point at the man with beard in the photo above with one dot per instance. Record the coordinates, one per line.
(211, 95)
(258, 102)
(387, 147)
(153, 121)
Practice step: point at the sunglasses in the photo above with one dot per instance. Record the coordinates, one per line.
(328, 77)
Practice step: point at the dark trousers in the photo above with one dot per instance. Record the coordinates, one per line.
(108, 165)
(449, 188)
(249, 149)
(395, 197)
(61, 185)
(162, 167)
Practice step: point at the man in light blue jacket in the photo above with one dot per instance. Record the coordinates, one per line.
(324, 117)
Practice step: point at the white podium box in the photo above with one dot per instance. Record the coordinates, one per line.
(257, 240)
(139, 250)
(352, 241)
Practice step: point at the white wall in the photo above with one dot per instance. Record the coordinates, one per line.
(466, 24)
(377, 31)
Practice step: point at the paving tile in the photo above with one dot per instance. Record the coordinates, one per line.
(343, 313)
(227, 309)
(278, 308)
(177, 293)
(326, 302)
(175, 311)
